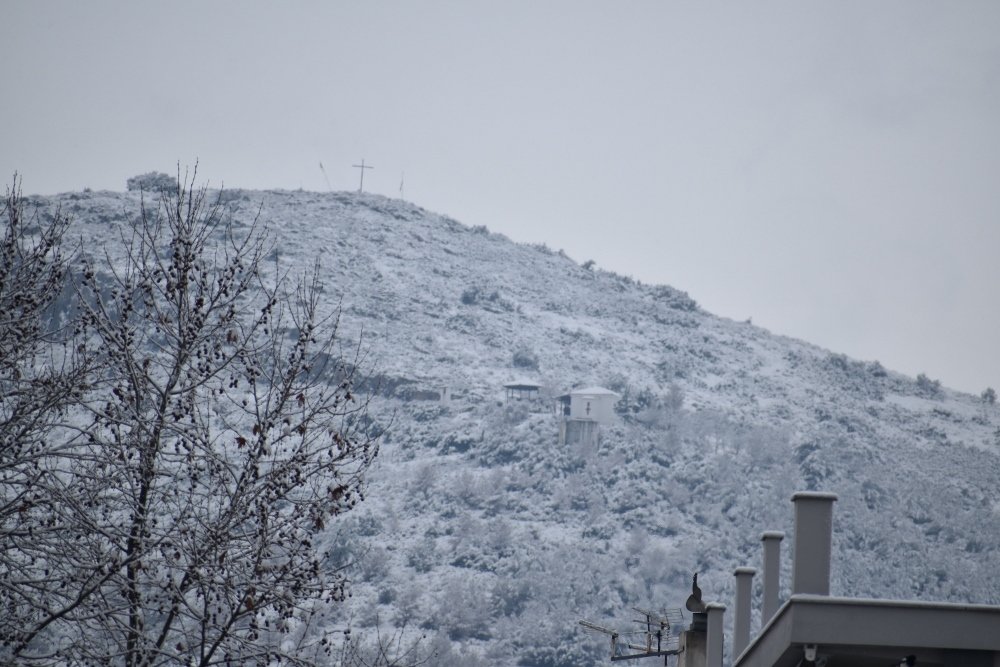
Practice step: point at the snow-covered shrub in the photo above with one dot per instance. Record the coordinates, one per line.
(489, 299)
(525, 357)
(838, 361)
(674, 298)
(500, 538)
(154, 181)
(928, 386)
(510, 595)
(374, 564)
(511, 414)
(462, 610)
(230, 196)
(343, 550)
(424, 557)
(989, 395)
(458, 442)
(467, 490)
(428, 413)
(470, 296)
(814, 465)
(550, 645)
(368, 525)
(407, 605)
(424, 480)
(500, 450)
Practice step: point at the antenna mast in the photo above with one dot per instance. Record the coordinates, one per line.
(658, 637)
(325, 177)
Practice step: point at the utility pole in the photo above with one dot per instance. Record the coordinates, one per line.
(362, 167)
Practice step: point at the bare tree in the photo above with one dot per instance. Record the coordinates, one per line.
(41, 376)
(35, 377)
(221, 435)
(385, 650)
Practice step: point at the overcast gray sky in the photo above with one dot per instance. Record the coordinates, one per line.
(831, 170)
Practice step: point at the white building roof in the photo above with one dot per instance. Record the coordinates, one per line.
(593, 391)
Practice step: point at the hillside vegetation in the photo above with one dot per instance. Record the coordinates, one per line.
(484, 534)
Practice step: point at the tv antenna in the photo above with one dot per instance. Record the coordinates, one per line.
(657, 638)
(362, 167)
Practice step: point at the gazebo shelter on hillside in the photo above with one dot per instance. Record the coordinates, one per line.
(522, 390)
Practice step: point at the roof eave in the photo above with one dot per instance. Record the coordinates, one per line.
(850, 625)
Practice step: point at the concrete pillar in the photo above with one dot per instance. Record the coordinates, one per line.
(713, 657)
(741, 623)
(813, 541)
(772, 574)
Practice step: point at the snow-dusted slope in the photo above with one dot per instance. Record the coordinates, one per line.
(483, 532)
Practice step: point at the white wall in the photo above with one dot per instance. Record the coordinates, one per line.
(602, 407)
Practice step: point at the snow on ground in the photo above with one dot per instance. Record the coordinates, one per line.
(482, 531)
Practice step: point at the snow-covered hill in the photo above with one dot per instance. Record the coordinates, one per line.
(484, 533)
